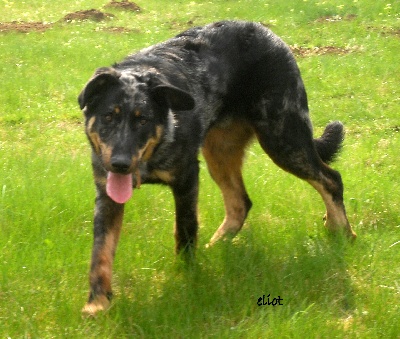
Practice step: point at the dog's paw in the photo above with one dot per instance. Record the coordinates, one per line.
(221, 236)
(95, 306)
(336, 228)
(215, 238)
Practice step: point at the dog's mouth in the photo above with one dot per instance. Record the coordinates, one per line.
(120, 186)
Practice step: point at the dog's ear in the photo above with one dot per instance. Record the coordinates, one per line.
(175, 98)
(102, 79)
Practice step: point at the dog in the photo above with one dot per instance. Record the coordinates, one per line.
(214, 89)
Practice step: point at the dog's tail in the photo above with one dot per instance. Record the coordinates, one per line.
(330, 143)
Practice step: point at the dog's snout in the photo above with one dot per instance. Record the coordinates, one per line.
(121, 163)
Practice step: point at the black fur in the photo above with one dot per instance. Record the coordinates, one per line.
(329, 144)
(212, 87)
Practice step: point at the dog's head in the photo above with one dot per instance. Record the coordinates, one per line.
(126, 114)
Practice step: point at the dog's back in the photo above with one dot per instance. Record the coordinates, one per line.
(233, 67)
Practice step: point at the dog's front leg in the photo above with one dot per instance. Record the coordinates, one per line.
(107, 225)
(186, 222)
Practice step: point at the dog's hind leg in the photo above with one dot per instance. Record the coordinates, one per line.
(289, 143)
(223, 150)
(335, 218)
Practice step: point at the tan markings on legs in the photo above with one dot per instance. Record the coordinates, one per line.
(335, 218)
(224, 151)
(101, 271)
(101, 303)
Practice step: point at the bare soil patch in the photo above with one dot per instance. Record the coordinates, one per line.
(124, 4)
(90, 14)
(307, 51)
(336, 18)
(24, 27)
(386, 30)
(394, 32)
(119, 30)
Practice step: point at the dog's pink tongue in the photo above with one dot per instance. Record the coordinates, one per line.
(119, 187)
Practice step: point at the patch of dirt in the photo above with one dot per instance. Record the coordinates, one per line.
(395, 32)
(307, 51)
(181, 25)
(90, 14)
(124, 4)
(267, 25)
(119, 30)
(24, 27)
(386, 30)
(336, 18)
(175, 25)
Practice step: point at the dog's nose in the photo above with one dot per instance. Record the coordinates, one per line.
(121, 163)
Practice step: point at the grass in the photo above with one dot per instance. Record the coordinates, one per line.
(329, 288)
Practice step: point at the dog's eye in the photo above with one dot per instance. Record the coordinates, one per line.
(108, 117)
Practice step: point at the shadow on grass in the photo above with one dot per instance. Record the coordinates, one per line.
(221, 289)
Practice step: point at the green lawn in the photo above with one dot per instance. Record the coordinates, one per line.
(348, 53)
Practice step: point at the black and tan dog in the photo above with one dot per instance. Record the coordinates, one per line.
(212, 88)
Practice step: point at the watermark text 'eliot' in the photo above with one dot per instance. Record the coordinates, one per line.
(269, 301)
